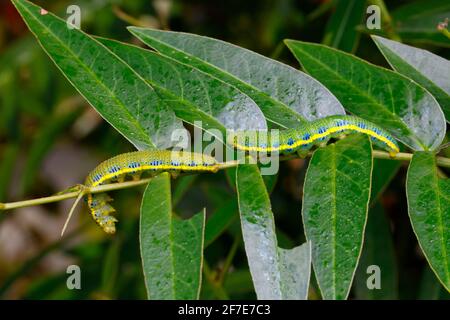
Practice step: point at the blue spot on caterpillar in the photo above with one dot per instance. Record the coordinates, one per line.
(316, 132)
(133, 164)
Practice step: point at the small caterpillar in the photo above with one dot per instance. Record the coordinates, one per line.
(315, 132)
(133, 164)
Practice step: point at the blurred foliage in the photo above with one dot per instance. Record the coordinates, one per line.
(50, 138)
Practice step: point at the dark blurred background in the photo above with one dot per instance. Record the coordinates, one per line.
(50, 138)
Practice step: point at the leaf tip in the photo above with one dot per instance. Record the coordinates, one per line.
(134, 29)
(288, 41)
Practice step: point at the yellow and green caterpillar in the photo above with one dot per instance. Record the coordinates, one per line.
(134, 164)
(153, 162)
(313, 133)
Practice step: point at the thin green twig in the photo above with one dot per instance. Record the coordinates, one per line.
(403, 156)
(69, 195)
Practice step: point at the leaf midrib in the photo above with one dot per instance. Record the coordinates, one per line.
(333, 217)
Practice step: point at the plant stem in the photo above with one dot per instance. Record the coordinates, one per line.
(401, 156)
(122, 15)
(69, 195)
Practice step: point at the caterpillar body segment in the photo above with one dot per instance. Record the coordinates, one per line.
(317, 132)
(135, 164)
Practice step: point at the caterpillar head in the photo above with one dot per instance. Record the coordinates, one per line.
(107, 223)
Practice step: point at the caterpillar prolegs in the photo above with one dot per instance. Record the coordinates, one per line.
(313, 133)
(133, 165)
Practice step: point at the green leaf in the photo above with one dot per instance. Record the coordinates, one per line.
(171, 249)
(287, 97)
(378, 251)
(392, 101)
(118, 93)
(295, 271)
(192, 94)
(277, 273)
(341, 32)
(269, 180)
(429, 212)
(335, 203)
(417, 21)
(429, 70)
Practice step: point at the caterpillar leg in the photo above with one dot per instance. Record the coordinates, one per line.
(322, 144)
(302, 153)
(174, 174)
(136, 176)
(99, 206)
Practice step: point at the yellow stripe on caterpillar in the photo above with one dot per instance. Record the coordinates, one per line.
(134, 164)
(315, 132)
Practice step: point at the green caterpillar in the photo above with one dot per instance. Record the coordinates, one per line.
(134, 164)
(313, 133)
(152, 162)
